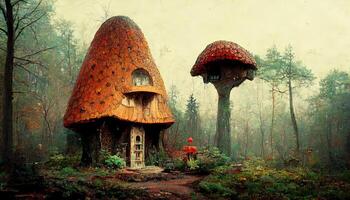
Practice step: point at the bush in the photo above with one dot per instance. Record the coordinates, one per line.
(345, 176)
(333, 193)
(216, 189)
(179, 165)
(210, 158)
(192, 164)
(111, 161)
(114, 161)
(68, 171)
(157, 158)
(60, 161)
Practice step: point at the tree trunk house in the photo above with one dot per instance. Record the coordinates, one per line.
(119, 102)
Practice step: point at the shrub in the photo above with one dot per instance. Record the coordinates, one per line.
(111, 161)
(333, 193)
(59, 161)
(157, 158)
(345, 176)
(216, 189)
(114, 161)
(192, 164)
(67, 171)
(179, 165)
(210, 158)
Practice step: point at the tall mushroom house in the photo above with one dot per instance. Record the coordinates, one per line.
(226, 65)
(119, 102)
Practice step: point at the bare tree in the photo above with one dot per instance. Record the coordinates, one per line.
(16, 22)
(106, 12)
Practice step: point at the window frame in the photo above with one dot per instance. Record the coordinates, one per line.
(142, 76)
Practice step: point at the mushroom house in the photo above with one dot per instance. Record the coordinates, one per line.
(226, 65)
(119, 102)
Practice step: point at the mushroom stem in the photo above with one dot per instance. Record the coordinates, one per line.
(223, 130)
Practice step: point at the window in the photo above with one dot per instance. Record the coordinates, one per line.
(214, 75)
(141, 77)
(138, 139)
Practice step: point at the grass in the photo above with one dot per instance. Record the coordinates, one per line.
(62, 178)
(258, 181)
(81, 183)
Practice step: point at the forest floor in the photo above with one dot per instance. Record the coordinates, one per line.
(180, 188)
(101, 183)
(251, 180)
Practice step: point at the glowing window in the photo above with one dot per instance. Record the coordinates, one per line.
(141, 77)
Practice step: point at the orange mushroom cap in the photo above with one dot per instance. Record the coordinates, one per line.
(105, 78)
(222, 50)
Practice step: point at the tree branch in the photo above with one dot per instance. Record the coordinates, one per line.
(34, 34)
(16, 12)
(27, 70)
(29, 24)
(27, 14)
(3, 12)
(3, 30)
(2, 49)
(35, 53)
(18, 1)
(279, 91)
(30, 61)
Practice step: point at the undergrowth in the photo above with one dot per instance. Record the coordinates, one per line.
(255, 180)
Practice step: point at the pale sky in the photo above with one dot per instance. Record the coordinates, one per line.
(178, 30)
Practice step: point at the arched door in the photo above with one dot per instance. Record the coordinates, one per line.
(137, 147)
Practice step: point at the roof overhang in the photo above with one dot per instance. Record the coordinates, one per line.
(143, 89)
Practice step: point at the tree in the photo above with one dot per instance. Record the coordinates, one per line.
(176, 130)
(269, 73)
(335, 109)
(18, 16)
(294, 75)
(260, 62)
(193, 120)
(69, 67)
(33, 35)
(282, 71)
(261, 123)
(7, 126)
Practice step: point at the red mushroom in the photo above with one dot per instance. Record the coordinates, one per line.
(190, 149)
(190, 140)
(226, 65)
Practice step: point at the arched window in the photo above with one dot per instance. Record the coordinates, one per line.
(141, 77)
(138, 139)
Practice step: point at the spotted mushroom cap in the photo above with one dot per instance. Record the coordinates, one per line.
(222, 50)
(105, 78)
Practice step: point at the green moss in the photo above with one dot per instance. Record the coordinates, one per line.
(60, 161)
(216, 189)
(257, 180)
(68, 171)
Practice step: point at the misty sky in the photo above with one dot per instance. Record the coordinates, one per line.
(178, 30)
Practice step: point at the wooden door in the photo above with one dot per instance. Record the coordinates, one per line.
(137, 147)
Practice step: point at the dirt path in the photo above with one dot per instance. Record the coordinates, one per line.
(171, 189)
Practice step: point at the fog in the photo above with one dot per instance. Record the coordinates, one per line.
(177, 31)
